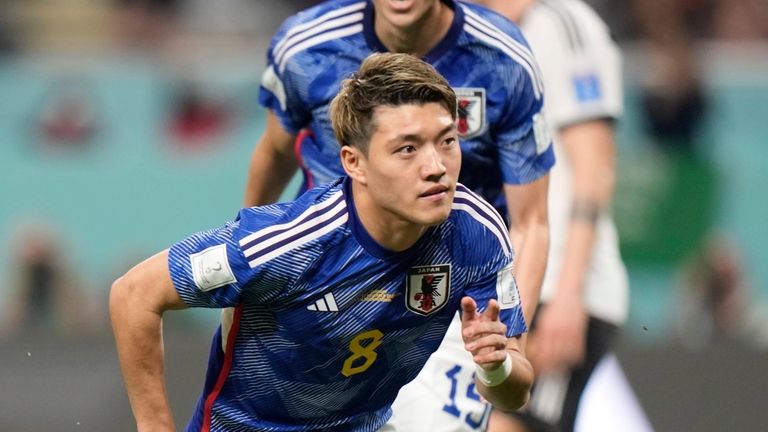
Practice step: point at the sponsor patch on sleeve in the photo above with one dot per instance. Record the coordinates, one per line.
(271, 82)
(587, 88)
(506, 288)
(210, 268)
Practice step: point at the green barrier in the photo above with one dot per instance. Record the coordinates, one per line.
(664, 206)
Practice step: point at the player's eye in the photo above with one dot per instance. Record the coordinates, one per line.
(406, 149)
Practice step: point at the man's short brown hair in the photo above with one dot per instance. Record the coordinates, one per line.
(385, 79)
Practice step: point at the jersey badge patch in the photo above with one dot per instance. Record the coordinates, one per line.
(587, 88)
(470, 119)
(210, 268)
(506, 288)
(428, 288)
(541, 133)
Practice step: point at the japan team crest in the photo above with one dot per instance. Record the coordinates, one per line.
(428, 288)
(470, 120)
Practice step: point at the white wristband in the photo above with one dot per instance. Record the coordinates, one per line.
(497, 376)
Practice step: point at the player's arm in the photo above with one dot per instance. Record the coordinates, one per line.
(504, 376)
(561, 331)
(136, 305)
(272, 164)
(529, 231)
(591, 150)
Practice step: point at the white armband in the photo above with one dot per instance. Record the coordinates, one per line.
(497, 376)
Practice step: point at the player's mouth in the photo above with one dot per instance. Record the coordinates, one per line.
(435, 193)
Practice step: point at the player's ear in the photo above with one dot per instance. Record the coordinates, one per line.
(353, 161)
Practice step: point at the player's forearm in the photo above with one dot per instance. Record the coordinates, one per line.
(592, 153)
(531, 241)
(579, 244)
(138, 335)
(513, 393)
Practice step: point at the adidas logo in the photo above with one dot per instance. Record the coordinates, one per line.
(325, 304)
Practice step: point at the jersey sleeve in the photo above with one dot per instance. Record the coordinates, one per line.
(501, 285)
(522, 135)
(208, 268)
(491, 256)
(281, 82)
(581, 64)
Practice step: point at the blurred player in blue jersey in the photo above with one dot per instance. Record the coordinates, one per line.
(339, 297)
(506, 147)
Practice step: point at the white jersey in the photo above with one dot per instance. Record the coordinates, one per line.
(582, 78)
(581, 67)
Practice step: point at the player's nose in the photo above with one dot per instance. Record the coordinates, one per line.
(432, 165)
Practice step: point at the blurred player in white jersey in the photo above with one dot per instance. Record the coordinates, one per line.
(585, 293)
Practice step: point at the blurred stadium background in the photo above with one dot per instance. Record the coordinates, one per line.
(126, 125)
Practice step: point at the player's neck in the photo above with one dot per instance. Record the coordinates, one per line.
(420, 37)
(389, 230)
(514, 10)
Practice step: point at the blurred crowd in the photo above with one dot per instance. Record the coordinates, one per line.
(181, 32)
(669, 27)
(144, 25)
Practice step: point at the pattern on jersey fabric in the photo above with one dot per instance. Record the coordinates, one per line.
(322, 308)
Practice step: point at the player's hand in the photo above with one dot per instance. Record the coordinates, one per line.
(559, 340)
(484, 335)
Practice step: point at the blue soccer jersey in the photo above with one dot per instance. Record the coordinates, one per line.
(484, 57)
(328, 325)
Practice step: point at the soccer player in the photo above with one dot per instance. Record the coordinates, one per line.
(584, 298)
(340, 296)
(505, 143)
